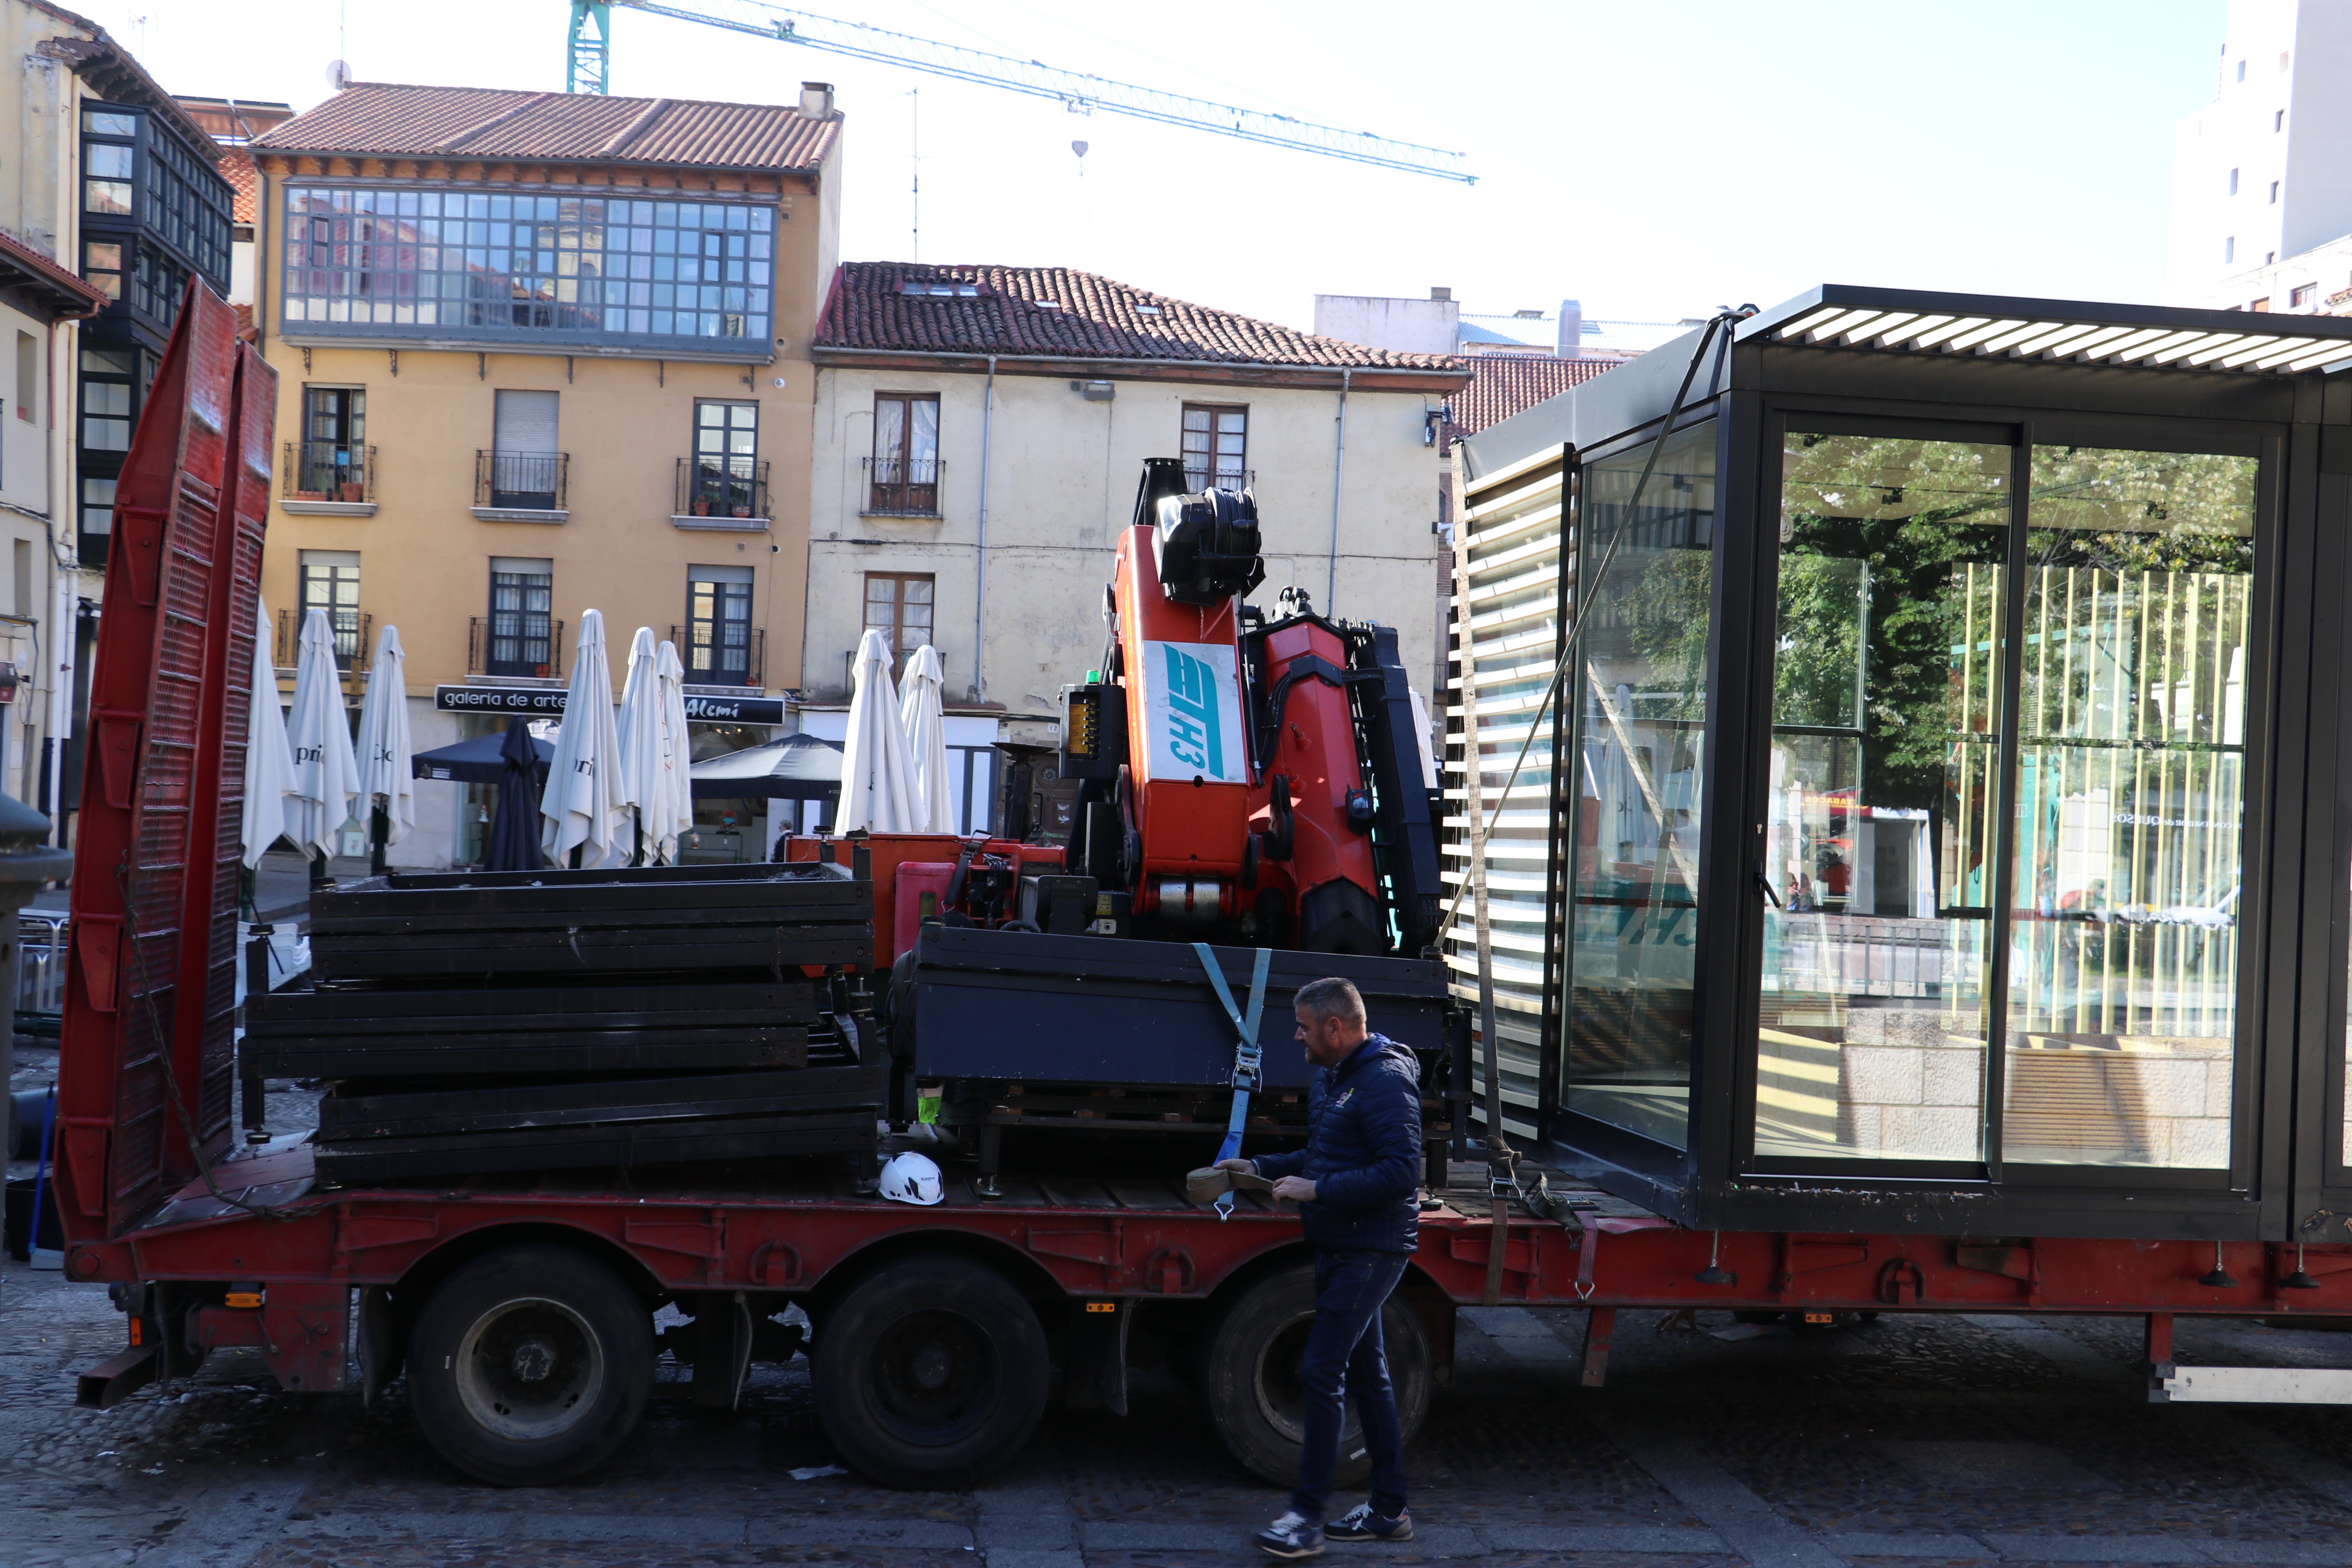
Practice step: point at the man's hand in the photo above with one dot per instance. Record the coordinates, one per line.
(1296, 1189)
(1247, 1167)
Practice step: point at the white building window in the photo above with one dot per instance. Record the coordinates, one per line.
(2233, 181)
(1216, 446)
(2229, 248)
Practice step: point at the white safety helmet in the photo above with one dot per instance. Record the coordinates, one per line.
(911, 1178)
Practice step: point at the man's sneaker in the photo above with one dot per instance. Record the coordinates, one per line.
(1293, 1535)
(1361, 1524)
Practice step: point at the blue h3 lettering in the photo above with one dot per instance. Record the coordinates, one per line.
(1194, 736)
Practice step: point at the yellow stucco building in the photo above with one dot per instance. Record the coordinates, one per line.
(539, 353)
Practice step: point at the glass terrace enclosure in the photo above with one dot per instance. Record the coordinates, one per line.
(1915, 764)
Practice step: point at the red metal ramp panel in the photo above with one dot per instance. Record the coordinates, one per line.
(132, 1074)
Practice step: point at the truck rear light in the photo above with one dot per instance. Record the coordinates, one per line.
(245, 1298)
(138, 1332)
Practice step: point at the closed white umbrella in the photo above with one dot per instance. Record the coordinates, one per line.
(587, 800)
(643, 755)
(927, 741)
(876, 779)
(326, 770)
(387, 772)
(674, 811)
(269, 760)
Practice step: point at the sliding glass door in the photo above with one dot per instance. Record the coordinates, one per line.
(2005, 800)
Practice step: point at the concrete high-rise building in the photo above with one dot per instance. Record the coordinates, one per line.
(2262, 175)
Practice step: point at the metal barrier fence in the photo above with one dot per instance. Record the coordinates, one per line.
(41, 972)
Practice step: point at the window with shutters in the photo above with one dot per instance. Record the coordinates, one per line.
(523, 470)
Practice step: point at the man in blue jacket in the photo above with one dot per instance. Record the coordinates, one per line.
(1357, 1182)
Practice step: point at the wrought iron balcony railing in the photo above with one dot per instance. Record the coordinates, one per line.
(517, 643)
(722, 487)
(327, 472)
(722, 653)
(354, 631)
(521, 481)
(903, 486)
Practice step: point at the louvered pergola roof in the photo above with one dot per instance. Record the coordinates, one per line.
(1992, 326)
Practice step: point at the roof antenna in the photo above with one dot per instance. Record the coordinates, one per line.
(915, 161)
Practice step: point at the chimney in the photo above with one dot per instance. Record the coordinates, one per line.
(1441, 294)
(816, 99)
(1572, 328)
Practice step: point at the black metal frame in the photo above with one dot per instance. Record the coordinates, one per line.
(2288, 1174)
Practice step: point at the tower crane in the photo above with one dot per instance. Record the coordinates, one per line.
(591, 48)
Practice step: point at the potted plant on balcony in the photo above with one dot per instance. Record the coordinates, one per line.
(741, 510)
(352, 489)
(702, 505)
(308, 495)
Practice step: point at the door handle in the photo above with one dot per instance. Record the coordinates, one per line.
(1765, 883)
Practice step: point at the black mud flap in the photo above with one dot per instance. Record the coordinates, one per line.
(722, 1349)
(383, 1344)
(1095, 1376)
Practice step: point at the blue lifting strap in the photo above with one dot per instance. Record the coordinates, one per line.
(1248, 1066)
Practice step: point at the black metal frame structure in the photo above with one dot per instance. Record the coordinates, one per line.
(2022, 373)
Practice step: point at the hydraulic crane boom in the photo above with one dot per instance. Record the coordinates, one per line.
(591, 41)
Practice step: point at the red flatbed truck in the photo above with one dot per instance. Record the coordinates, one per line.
(523, 1310)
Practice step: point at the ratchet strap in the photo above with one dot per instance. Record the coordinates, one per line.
(1248, 1065)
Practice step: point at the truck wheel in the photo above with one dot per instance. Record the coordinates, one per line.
(930, 1372)
(530, 1366)
(1248, 1376)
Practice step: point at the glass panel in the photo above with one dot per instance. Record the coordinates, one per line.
(1639, 690)
(2130, 809)
(1871, 1039)
(108, 122)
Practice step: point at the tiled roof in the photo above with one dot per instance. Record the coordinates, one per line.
(385, 120)
(26, 269)
(1056, 312)
(237, 167)
(1504, 384)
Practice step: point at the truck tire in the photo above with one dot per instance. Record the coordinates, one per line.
(1248, 1376)
(931, 1372)
(530, 1366)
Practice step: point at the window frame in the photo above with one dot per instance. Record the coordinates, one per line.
(371, 261)
(1213, 471)
(524, 636)
(313, 569)
(726, 479)
(897, 628)
(1743, 785)
(908, 496)
(717, 590)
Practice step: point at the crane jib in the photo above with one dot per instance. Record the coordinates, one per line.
(591, 43)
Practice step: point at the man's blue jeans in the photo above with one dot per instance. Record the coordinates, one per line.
(1344, 1355)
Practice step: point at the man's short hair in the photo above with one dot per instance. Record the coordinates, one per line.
(1332, 998)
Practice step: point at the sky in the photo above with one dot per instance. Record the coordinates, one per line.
(1651, 161)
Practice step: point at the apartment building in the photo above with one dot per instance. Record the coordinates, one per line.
(539, 353)
(111, 205)
(980, 433)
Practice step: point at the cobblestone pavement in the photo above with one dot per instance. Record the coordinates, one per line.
(1913, 1441)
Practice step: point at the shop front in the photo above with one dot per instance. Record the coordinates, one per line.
(725, 831)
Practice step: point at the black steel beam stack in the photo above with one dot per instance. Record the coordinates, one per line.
(480, 1022)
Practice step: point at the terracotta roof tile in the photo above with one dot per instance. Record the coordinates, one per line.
(70, 296)
(237, 167)
(1504, 384)
(387, 119)
(1056, 312)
